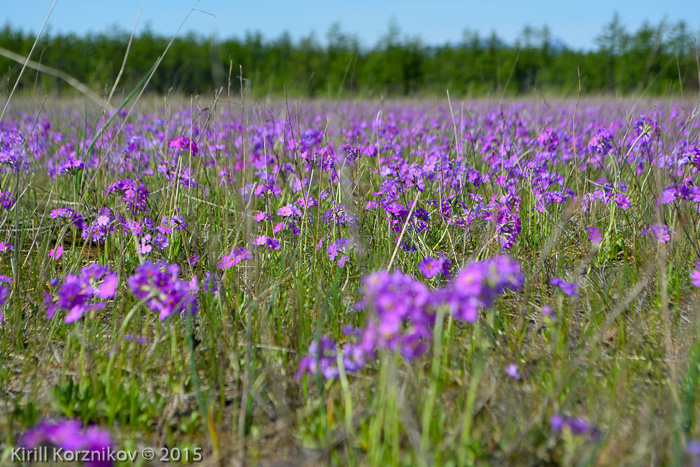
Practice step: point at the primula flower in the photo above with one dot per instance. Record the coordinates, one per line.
(594, 235)
(69, 435)
(135, 195)
(163, 291)
(548, 312)
(512, 370)
(183, 142)
(6, 247)
(341, 247)
(56, 253)
(431, 267)
(695, 275)
(80, 293)
(569, 288)
(403, 312)
(288, 210)
(576, 425)
(4, 292)
(234, 257)
(660, 231)
(7, 200)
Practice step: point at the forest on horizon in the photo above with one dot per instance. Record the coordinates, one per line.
(654, 60)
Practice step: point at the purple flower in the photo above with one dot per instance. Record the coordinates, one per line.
(273, 243)
(69, 435)
(548, 312)
(7, 200)
(80, 293)
(145, 244)
(576, 425)
(279, 227)
(4, 292)
(164, 293)
(430, 267)
(262, 216)
(660, 231)
(695, 275)
(569, 288)
(261, 240)
(133, 194)
(403, 312)
(288, 210)
(183, 142)
(512, 370)
(56, 253)
(622, 201)
(594, 235)
(234, 257)
(341, 247)
(6, 247)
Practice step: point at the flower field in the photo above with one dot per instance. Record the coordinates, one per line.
(352, 283)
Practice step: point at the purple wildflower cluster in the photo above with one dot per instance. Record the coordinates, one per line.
(69, 435)
(431, 267)
(162, 290)
(135, 195)
(569, 288)
(83, 292)
(577, 426)
(660, 232)
(234, 257)
(403, 313)
(184, 143)
(7, 200)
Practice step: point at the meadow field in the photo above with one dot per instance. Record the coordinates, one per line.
(446, 282)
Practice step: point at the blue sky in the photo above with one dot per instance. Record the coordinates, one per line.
(435, 22)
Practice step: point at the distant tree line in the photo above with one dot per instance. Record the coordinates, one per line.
(655, 59)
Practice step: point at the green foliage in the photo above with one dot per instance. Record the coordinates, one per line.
(656, 59)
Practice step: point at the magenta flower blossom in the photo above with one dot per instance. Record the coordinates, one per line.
(279, 227)
(262, 216)
(165, 294)
(660, 231)
(431, 267)
(623, 201)
(145, 246)
(6, 247)
(342, 247)
(594, 235)
(569, 288)
(183, 143)
(289, 210)
(512, 370)
(261, 240)
(234, 257)
(69, 435)
(81, 293)
(695, 275)
(56, 253)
